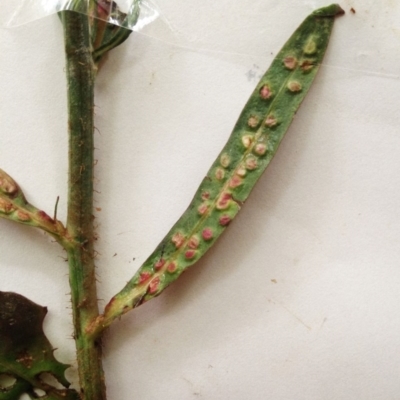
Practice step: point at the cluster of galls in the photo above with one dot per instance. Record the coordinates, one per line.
(13, 206)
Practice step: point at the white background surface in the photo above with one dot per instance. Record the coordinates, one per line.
(300, 297)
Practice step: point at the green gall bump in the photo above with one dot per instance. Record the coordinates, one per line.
(251, 162)
(219, 174)
(260, 148)
(253, 122)
(241, 171)
(310, 47)
(290, 62)
(270, 121)
(178, 239)
(265, 92)
(294, 86)
(247, 140)
(225, 160)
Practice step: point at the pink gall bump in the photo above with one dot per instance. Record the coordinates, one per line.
(294, 86)
(225, 220)
(202, 209)
(260, 149)
(5, 206)
(224, 201)
(219, 174)
(8, 187)
(225, 160)
(307, 65)
(207, 234)
(7, 184)
(178, 239)
(265, 92)
(253, 122)
(193, 242)
(144, 277)
(270, 121)
(251, 163)
(23, 217)
(235, 181)
(171, 267)
(154, 285)
(205, 195)
(190, 254)
(290, 62)
(247, 140)
(159, 264)
(43, 216)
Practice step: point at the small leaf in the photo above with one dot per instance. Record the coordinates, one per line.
(15, 207)
(26, 353)
(105, 35)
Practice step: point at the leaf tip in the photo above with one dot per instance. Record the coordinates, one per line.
(329, 11)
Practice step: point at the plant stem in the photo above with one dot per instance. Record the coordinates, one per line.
(84, 307)
(80, 79)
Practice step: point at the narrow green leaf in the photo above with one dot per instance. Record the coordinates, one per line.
(26, 353)
(114, 36)
(108, 36)
(254, 141)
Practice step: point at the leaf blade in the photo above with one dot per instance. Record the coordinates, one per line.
(254, 141)
(25, 352)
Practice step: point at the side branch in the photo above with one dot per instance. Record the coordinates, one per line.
(15, 207)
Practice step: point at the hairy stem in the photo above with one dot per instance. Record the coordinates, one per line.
(80, 76)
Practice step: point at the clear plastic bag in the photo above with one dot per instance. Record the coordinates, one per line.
(130, 14)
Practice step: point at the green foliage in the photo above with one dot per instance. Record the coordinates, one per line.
(26, 353)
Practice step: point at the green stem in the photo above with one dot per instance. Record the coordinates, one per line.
(80, 76)
(84, 305)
